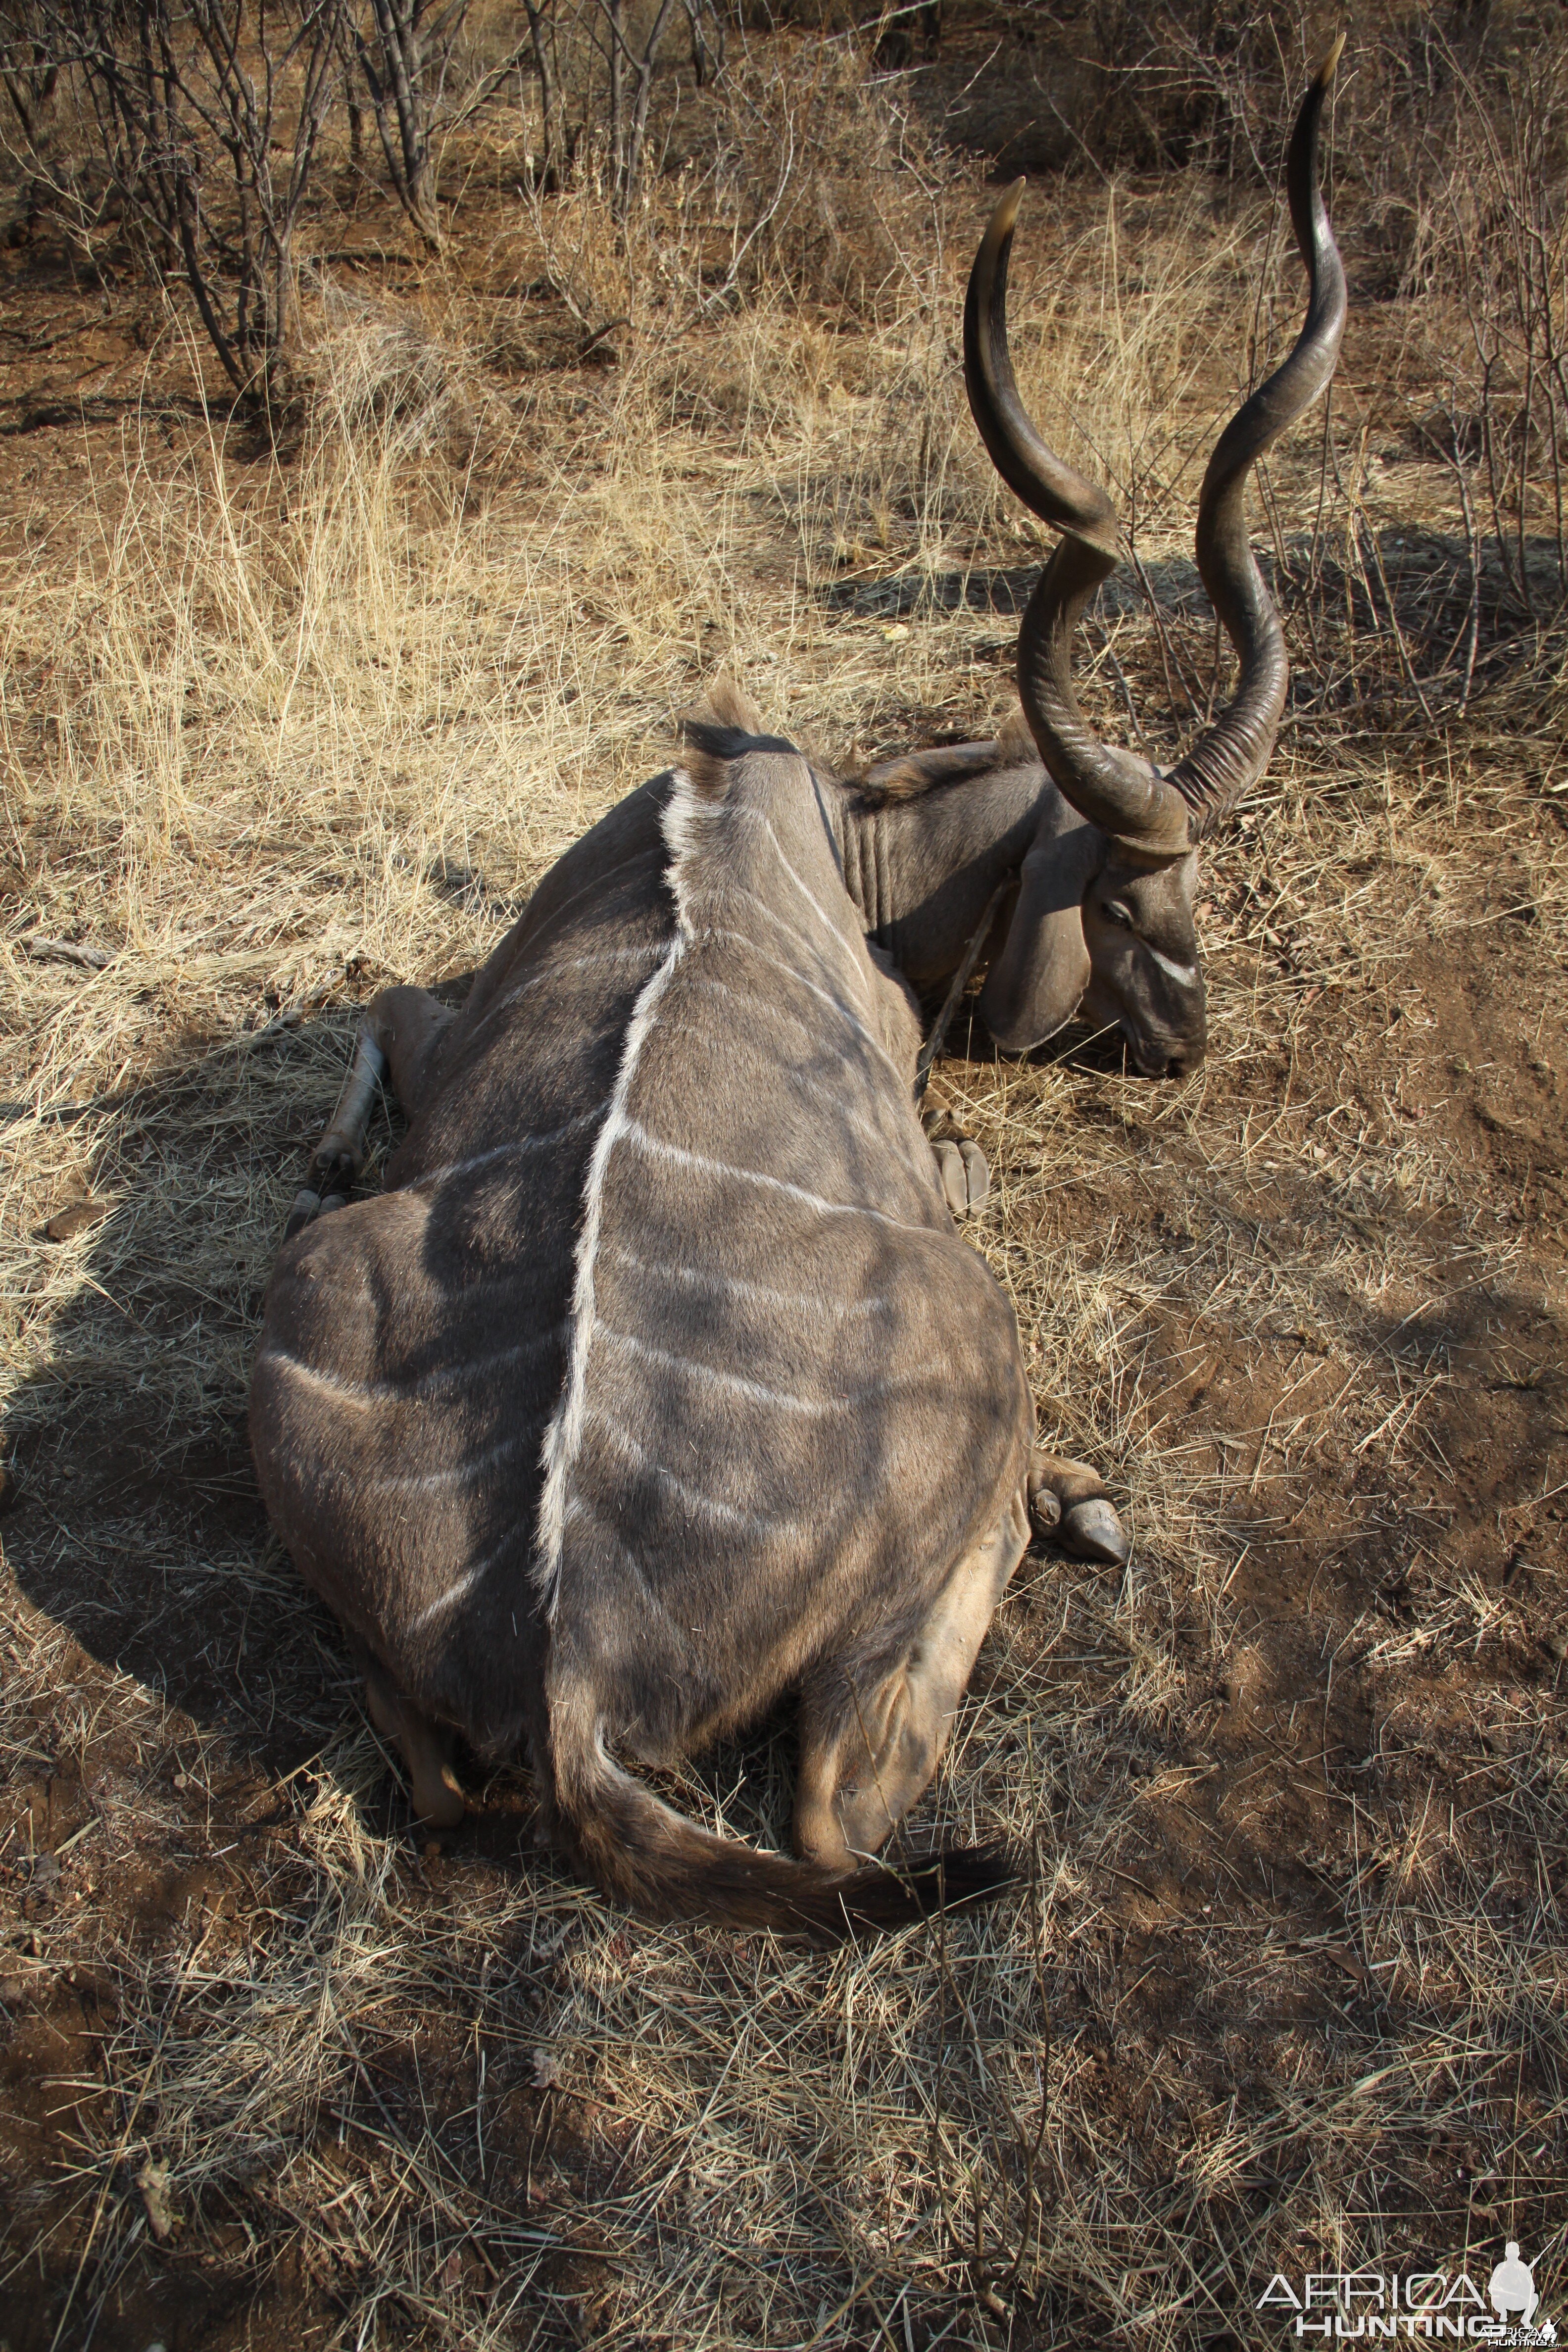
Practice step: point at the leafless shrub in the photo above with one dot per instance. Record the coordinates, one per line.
(29, 66)
(1494, 242)
(404, 56)
(800, 180)
(208, 137)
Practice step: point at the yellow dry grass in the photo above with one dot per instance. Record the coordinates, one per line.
(273, 736)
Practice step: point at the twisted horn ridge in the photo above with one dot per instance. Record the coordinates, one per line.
(1121, 793)
(1148, 814)
(1233, 754)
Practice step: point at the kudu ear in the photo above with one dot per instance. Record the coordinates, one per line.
(719, 730)
(1040, 973)
(728, 705)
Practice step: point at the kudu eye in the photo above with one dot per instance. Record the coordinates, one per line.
(1114, 912)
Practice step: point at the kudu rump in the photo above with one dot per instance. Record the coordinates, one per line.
(660, 1383)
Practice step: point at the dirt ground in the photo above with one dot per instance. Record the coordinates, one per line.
(1285, 1991)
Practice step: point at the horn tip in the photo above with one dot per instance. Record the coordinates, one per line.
(1004, 219)
(1325, 72)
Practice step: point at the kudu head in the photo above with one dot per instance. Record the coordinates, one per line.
(1103, 915)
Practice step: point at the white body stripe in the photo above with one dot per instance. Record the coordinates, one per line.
(826, 994)
(461, 1474)
(607, 956)
(641, 1140)
(733, 1286)
(465, 1583)
(515, 1150)
(738, 1385)
(747, 1522)
(365, 1395)
(564, 1438)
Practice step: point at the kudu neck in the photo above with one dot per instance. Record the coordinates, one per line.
(921, 871)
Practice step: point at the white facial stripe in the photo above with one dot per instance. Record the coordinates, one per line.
(1184, 973)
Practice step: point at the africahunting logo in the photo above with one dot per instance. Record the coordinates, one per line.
(1443, 2306)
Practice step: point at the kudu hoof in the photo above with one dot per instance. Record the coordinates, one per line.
(439, 1799)
(328, 1185)
(965, 1178)
(1093, 1531)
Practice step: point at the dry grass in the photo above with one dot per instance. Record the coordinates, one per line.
(1286, 1988)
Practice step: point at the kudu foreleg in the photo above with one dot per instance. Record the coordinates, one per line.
(1068, 1502)
(340, 1155)
(960, 1162)
(401, 1029)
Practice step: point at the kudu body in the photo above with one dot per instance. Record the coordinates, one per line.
(658, 1383)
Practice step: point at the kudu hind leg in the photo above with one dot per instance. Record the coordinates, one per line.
(867, 1754)
(1068, 1501)
(397, 1036)
(426, 1750)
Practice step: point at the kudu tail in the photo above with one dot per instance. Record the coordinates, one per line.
(655, 1861)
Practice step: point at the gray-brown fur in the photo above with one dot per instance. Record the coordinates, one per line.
(658, 1383)
(612, 1441)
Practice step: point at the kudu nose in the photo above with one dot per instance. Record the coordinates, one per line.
(1155, 1062)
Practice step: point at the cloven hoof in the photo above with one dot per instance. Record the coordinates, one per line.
(1093, 1531)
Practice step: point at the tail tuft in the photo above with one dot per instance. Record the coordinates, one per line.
(653, 1859)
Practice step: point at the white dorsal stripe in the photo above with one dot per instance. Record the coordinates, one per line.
(564, 1438)
(736, 1384)
(709, 1505)
(367, 1394)
(1184, 972)
(733, 1286)
(640, 1139)
(516, 1149)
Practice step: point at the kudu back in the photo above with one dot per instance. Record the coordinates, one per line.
(632, 1406)
(658, 1384)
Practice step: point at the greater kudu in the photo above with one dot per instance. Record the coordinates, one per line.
(659, 1382)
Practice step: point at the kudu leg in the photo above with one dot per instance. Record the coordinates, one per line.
(867, 1754)
(960, 1163)
(1068, 1500)
(401, 1028)
(426, 1750)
